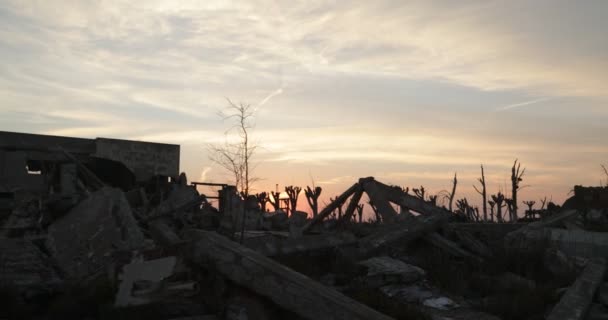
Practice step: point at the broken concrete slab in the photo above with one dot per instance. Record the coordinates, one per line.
(384, 270)
(557, 263)
(152, 271)
(597, 312)
(576, 301)
(82, 241)
(449, 246)
(24, 267)
(285, 287)
(180, 198)
(305, 244)
(401, 233)
(573, 243)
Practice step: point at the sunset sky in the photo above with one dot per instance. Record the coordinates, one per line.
(406, 91)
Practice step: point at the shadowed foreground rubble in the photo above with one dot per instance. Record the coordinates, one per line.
(107, 229)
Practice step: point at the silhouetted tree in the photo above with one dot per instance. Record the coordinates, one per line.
(530, 204)
(262, 199)
(492, 204)
(515, 180)
(499, 200)
(312, 196)
(482, 180)
(274, 200)
(420, 193)
(293, 193)
(236, 157)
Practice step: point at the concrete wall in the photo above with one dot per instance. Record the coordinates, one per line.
(145, 159)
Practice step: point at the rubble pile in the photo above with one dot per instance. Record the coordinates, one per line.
(77, 242)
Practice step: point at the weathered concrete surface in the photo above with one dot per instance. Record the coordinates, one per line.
(23, 266)
(400, 233)
(579, 243)
(312, 243)
(385, 270)
(83, 240)
(449, 246)
(145, 159)
(180, 198)
(285, 287)
(153, 271)
(14, 174)
(576, 301)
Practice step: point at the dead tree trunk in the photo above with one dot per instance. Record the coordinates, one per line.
(453, 192)
(312, 196)
(293, 193)
(276, 203)
(515, 180)
(482, 180)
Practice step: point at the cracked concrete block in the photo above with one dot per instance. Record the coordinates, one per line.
(84, 239)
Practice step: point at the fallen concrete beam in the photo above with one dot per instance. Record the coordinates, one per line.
(401, 233)
(331, 207)
(576, 301)
(553, 220)
(285, 287)
(162, 233)
(401, 198)
(302, 245)
(468, 241)
(352, 205)
(451, 247)
(377, 193)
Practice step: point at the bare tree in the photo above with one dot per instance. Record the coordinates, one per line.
(606, 173)
(543, 202)
(499, 200)
(453, 192)
(445, 195)
(515, 180)
(293, 193)
(312, 196)
(483, 194)
(235, 157)
(262, 199)
(274, 200)
(420, 193)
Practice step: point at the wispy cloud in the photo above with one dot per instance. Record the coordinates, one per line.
(270, 96)
(522, 104)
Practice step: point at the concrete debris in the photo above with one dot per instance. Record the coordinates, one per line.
(84, 239)
(576, 301)
(287, 288)
(143, 282)
(105, 222)
(385, 270)
(23, 266)
(441, 303)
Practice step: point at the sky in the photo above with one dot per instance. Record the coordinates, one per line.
(409, 92)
